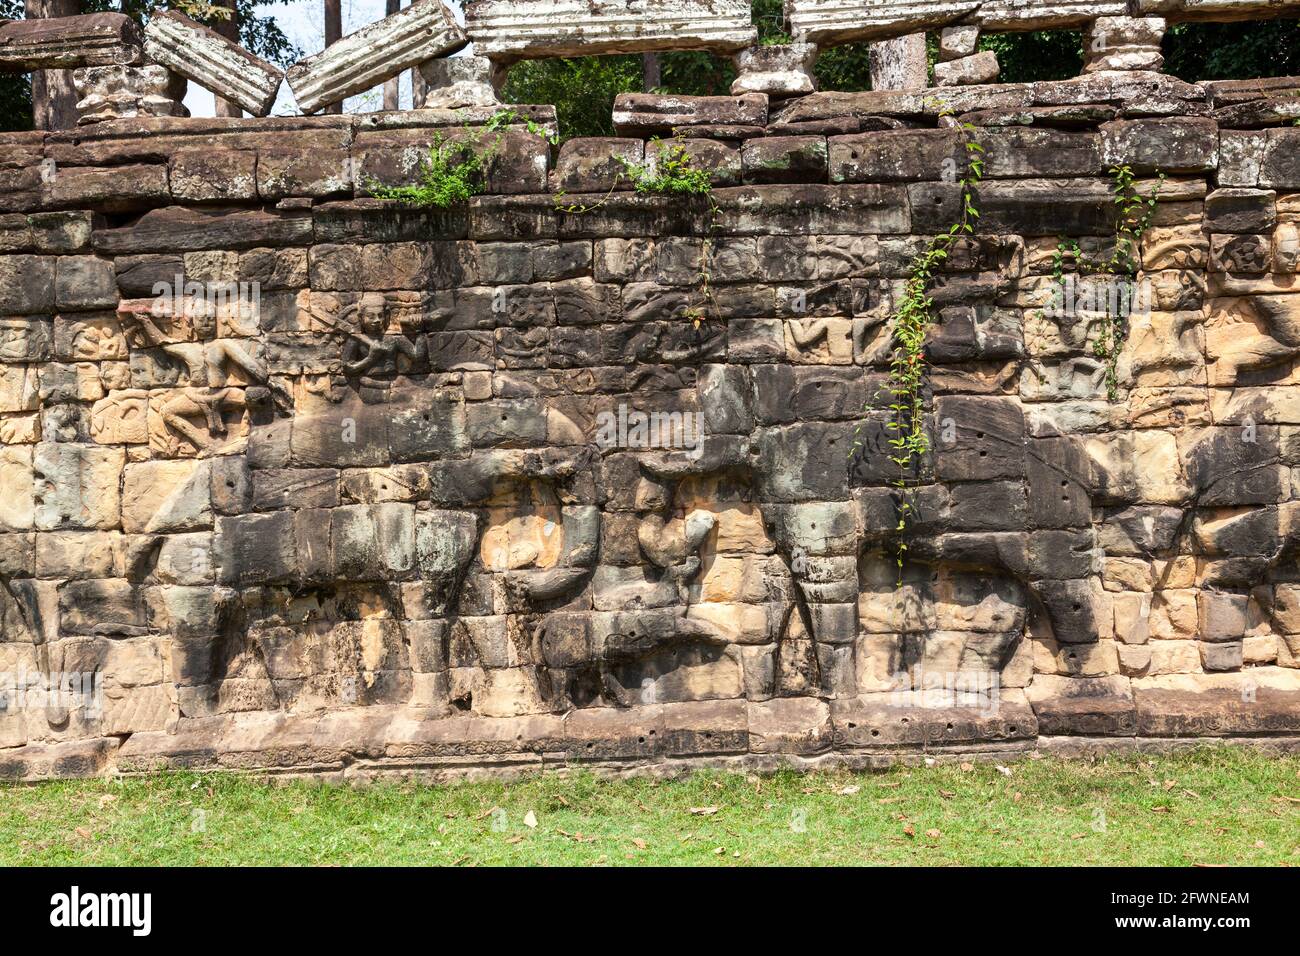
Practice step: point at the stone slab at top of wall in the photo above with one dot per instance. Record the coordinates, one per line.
(306, 479)
(507, 30)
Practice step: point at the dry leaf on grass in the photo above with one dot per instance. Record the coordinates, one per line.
(704, 811)
(530, 820)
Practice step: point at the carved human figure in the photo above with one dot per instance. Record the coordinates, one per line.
(369, 355)
(207, 363)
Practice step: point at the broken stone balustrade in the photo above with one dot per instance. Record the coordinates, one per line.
(511, 30)
(1123, 43)
(219, 65)
(779, 70)
(959, 64)
(122, 92)
(64, 43)
(461, 81)
(425, 30)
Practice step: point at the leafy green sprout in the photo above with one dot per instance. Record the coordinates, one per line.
(454, 170)
(670, 172)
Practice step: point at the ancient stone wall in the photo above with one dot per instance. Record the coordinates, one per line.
(320, 483)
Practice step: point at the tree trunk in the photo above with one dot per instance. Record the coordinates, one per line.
(650, 67)
(899, 64)
(419, 89)
(54, 99)
(230, 30)
(333, 34)
(392, 89)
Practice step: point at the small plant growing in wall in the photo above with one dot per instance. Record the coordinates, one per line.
(455, 170)
(669, 171)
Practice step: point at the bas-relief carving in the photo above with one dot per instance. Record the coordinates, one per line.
(357, 502)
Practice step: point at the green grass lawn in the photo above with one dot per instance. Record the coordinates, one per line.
(1214, 806)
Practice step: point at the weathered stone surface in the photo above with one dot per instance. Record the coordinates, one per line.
(123, 92)
(26, 284)
(652, 114)
(117, 188)
(178, 228)
(424, 30)
(957, 42)
(1214, 9)
(509, 30)
(217, 64)
(835, 21)
(199, 175)
(63, 43)
(460, 81)
(511, 485)
(1123, 43)
(777, 70)
(77, 486)
(978, 68)
(597, 163)
(1170, 146)
(785, 159)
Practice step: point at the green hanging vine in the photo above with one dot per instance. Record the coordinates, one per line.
(1133, 217)
(908, 440)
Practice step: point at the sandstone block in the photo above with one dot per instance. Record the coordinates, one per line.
(461, 81)
(63, 43)
(77, 486)
(124, 92)
(979, 68)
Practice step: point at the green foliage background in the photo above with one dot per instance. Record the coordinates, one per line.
(15, 89)
(583, 88)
